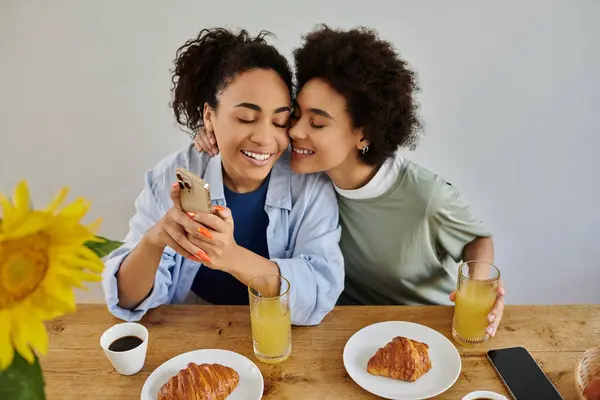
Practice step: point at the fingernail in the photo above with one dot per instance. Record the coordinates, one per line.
(205, 232)
(212, 140)
(191, 214)
(203, 256)
(491, 317)
(175, 185)
(218, 208)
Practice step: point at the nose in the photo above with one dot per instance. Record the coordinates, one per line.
(296, 132)
(264, 134)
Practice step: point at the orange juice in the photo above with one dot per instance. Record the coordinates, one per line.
(271, 330)
(474, 301)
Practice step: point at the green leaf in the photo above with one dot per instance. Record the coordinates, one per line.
(22, 381)
(104, 248)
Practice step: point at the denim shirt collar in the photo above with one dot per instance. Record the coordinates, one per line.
(279, 193)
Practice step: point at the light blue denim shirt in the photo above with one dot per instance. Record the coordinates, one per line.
(303, 237)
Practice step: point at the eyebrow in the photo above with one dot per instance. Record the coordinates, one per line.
(256, 107)
(317, 111)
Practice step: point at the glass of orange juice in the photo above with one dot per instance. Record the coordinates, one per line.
(475, 297)
(270, 317)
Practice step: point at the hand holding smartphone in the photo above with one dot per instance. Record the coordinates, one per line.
(195, 192)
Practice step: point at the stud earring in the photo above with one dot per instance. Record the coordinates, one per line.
(364, 149)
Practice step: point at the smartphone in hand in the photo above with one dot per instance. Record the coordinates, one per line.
(195, 192)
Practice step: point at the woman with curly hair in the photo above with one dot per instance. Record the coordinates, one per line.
(404, 228)
(238, 87)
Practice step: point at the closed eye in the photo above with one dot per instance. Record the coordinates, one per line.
(315, 125)
(280, 126)
(245, 121)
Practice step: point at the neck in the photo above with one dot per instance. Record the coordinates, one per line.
(237, 183)
(352, 174)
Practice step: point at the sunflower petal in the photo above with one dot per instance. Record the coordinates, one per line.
(64, 232)
(54, 288)
(76, 209)
(6, 348)
(46, 307)
(82, 276)
(70, 277)
(34, 222)
(86, 253)
(19, 337)
(38, 337)
(57, 201)
(8, 213)
(97, 239)
(81, 263)
(21, 198)
(95, 226)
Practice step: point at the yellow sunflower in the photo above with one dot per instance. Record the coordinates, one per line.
(42, 256)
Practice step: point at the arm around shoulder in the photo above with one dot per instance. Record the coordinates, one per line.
(316, 267)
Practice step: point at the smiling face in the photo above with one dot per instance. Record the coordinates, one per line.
(250, 125)
(323, 136)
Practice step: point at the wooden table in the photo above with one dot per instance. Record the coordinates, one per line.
(76, 368)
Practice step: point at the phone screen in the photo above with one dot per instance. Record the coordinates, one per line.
(521, 374)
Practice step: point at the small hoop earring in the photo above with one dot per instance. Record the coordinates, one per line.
(364, 149)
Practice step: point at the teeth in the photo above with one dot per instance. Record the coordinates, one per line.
(256, 156)
(303, 151)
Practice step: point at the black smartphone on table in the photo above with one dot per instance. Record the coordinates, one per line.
(522, 376)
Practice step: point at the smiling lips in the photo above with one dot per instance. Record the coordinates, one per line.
(298, 151)
(257, 158)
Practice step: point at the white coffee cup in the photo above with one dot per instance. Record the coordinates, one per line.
(126, 362)
(484, 394)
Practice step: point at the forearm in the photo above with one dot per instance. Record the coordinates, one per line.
(135, 277)
(250, 265)
(480, 249)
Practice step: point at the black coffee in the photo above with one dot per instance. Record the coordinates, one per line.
(125, 343)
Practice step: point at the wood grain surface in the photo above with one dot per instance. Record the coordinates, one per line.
(76, 367)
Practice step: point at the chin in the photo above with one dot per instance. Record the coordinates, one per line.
(257, 175)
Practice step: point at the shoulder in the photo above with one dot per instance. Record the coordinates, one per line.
(188, 158)
(302, 187)
(311, 186)
(422, 183)
(439, 193)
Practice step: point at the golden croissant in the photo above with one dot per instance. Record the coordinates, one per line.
(402, 358)
(200, 382)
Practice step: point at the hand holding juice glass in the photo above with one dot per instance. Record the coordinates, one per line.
(476, 294)
(270, 317)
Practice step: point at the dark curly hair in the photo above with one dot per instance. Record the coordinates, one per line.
(377, 84)
(205, 65)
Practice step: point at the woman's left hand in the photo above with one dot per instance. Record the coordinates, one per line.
(216, 238)
(496, 314)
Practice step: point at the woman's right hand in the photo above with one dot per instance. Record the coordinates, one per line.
(205, 141)
(173, 229)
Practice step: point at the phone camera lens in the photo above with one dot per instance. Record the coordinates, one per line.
(179, 177)
(187, 186)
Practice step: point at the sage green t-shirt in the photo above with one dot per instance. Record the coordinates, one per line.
(403, 246)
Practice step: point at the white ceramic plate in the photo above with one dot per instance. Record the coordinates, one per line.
(251, 380)
(445, 361)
